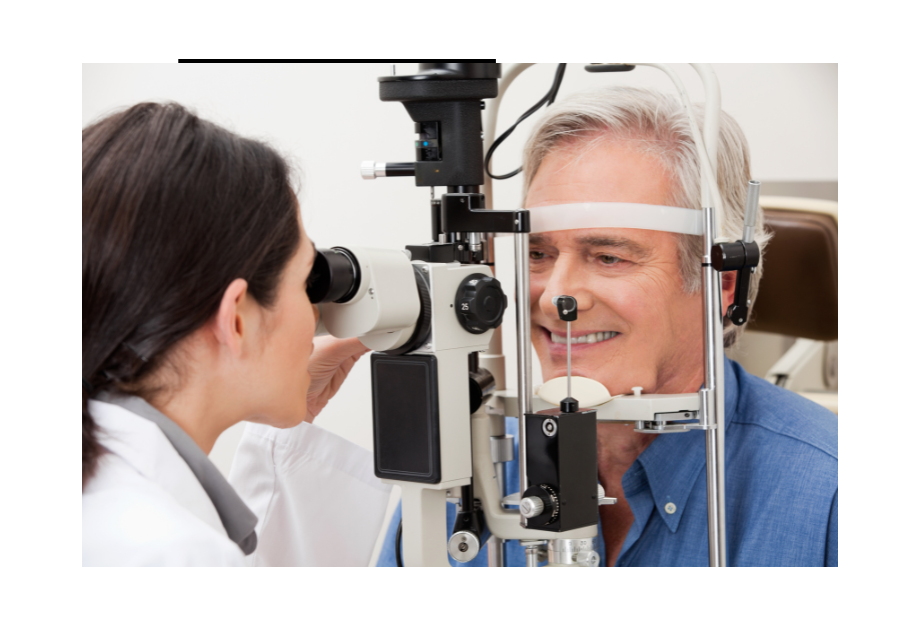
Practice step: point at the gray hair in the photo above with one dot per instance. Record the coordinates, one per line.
(656, 123)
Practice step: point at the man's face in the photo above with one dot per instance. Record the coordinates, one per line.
(636, 326)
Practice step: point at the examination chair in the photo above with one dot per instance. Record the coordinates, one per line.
(798, 295)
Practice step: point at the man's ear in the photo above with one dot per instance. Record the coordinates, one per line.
(229, 323)
(729, 282)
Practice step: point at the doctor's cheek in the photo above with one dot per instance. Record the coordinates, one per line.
(314, 324)
(308, 346)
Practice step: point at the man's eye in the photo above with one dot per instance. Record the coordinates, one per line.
(609, 260)
(535, 255)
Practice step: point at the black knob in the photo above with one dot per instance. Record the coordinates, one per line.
(728, 256)
(480, 303)
(567, 306)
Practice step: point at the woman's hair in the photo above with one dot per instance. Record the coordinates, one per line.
(656, 123)
(174, 209)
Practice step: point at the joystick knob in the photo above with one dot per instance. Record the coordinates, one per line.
(480, 303)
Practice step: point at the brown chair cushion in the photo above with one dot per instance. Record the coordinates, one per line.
(798, 291)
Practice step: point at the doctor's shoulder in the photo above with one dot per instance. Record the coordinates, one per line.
(130, 521)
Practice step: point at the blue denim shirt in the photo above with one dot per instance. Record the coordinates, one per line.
(780, 486)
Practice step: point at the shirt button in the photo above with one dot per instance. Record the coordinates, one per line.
(670, 508)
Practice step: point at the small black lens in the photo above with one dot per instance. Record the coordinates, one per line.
(335, 276)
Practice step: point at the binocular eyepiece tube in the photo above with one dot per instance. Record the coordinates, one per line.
(335, 277)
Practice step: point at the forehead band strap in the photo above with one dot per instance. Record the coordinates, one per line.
(578, 216)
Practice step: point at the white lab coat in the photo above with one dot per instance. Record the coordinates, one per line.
(314, 493)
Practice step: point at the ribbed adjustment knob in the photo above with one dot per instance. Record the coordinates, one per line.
(367, 170)
(480, 303)
(531, 507)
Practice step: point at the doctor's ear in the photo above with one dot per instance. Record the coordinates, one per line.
(230, 322)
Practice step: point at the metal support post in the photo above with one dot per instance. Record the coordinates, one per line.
(534, 551)
(424, 515)
(524, 374)
(496, 545)
(713, 414)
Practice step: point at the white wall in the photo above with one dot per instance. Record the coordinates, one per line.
(326, 118)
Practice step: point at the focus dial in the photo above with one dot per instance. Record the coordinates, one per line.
(480, 303)
(545, 496)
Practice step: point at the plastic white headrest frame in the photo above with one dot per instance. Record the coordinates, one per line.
(577, 216)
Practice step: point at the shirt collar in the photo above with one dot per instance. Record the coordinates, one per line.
(672, 463)
(237, 519)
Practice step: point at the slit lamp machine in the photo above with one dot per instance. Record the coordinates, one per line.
(433, 315)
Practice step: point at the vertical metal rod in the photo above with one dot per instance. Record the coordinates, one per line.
(533, 556)
(522, 320)
(715, 385)
(568, 357)
(488, 255)
(496, 551)
(750, 211)
(435, 217)
(496, 546)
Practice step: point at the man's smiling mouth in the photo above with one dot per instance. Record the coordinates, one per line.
(588, 338)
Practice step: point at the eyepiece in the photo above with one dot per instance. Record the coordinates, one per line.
(336, 276)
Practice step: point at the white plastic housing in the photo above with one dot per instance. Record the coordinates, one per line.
(588, 392)
(384, 311)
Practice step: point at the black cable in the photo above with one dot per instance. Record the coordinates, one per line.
(399, 544)
(546, 100)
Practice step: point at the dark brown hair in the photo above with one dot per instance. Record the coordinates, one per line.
(174, 209)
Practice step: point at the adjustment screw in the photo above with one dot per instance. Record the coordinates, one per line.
(531, 507)
(587, 558)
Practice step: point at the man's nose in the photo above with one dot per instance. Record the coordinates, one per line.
(567, 278)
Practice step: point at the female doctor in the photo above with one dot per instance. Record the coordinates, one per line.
(196, 317)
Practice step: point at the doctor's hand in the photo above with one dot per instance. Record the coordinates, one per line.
(330, 363)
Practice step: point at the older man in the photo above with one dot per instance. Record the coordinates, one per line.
(640, 324)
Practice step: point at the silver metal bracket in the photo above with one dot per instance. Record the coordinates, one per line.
(535, 551)
(573, 552)
(502, 447)
(675, 422)
(602, 498)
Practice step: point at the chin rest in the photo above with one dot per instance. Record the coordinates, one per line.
(798, 291)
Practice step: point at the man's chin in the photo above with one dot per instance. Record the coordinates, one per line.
(554, 369)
